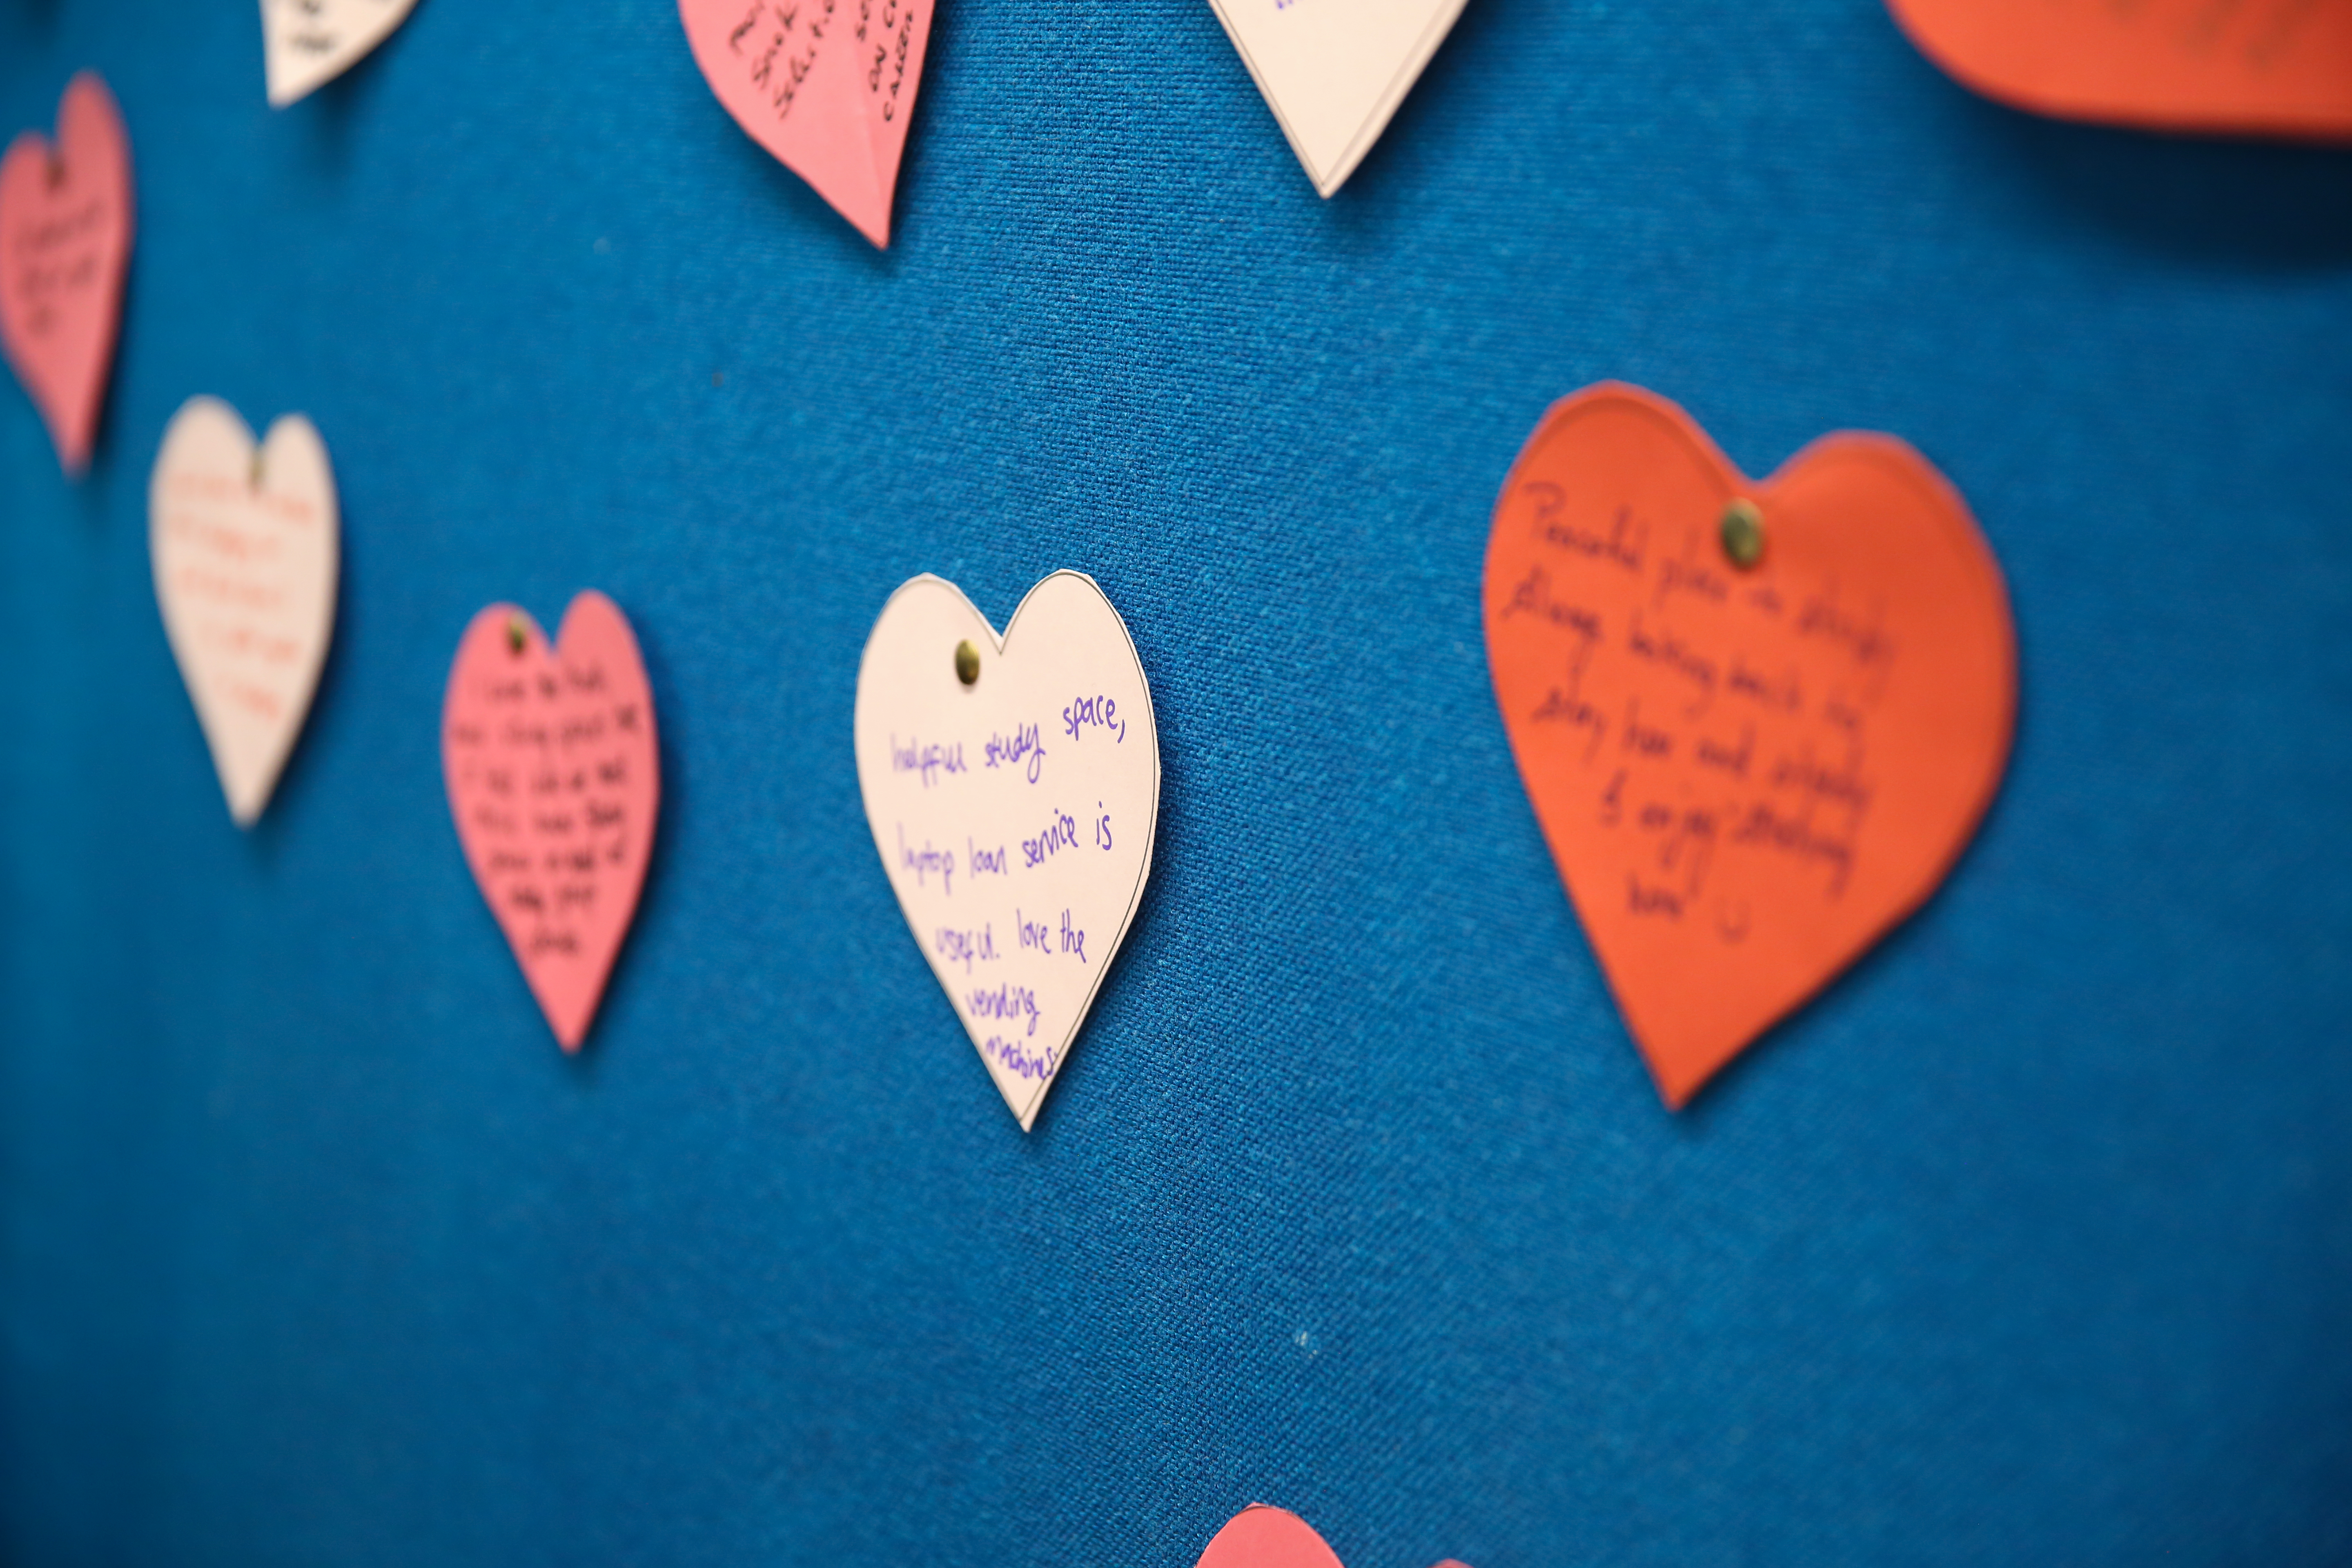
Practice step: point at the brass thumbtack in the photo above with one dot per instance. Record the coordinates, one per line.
(518, 634)
(253, 471)
(967, 664)
(56, 169)
(1743, 533)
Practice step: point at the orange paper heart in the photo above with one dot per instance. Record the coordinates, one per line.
(1747, 775)
(2267, 67)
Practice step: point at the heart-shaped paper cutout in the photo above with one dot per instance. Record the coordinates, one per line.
(308, 42)
(827, 86)
(554, 783)
(1333, 74)
(246, 546)
(2266, 67)
(65, 244)
(1014, 811)
(1747, 776)
(1263, 1537)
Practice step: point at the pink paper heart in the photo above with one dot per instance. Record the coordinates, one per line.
(825, 85)
(65, 243)
(554, 781)
(1263, 1537)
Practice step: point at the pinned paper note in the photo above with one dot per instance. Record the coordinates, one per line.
(245, 544)
(826, 86)
(1263, 1537)
(1759, 721)
(65, 244)
(2267, 68)
(307, 43)
(1333, 71)
(554, 783)
(1013, 785)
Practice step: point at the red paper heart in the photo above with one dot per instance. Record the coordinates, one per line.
(2270, 68)
(65, 243)
(1747, 778)
(1263, 1537)
(554, 783)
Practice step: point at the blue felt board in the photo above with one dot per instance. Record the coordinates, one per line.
(2029, 1242)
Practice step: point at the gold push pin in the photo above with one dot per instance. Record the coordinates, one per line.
(253, 471)
(1743, 533)
(518, 634)
(967, 664)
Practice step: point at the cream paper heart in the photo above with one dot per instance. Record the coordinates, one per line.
(245, 548)
(1013, 785)
(1334, 70)
(306, 43)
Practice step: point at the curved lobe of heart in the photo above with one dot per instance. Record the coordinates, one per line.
(1746, 778)
(2267, 68)
(65, 230)
(245, 549)
(554, 783)
(1015, 812)
(826, 86)
(1263, 1537)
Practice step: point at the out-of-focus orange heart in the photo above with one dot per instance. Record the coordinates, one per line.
(2261, 68)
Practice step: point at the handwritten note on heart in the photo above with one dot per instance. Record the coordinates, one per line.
(1747, 775)
(308, 42)
(2270, 68)
(65, 244)
(245, 543)
(554, 783)
(1333, 71)
(1013, 785)
(826, 86)
(1263, 1537)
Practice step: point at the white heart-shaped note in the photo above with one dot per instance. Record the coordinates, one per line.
(305, 43)
(243, 543)
(1334, 70)
(1013, 785)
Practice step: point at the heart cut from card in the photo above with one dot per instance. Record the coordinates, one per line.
(1334, 73)
(2256, 68)
(1013, 785)
(246, 546)
(64, 245)
(554, 781)
(1758, 721)
(826, 86)
(306, 44)
(1263, 1537)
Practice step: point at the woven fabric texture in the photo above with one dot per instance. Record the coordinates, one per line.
(2029, 1242)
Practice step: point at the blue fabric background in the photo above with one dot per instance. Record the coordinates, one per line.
(2031, 1242)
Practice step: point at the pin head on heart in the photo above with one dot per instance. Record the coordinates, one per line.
(1263, 1537)
(1013, 787)
(65, 230)
(826, 86)
(1758, 721)
(2279, 69)
(246, 546)
(307, 43)
(554, 781)
(1333, 75)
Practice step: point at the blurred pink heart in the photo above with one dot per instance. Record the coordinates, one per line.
(65, 231)
(1262, 1537)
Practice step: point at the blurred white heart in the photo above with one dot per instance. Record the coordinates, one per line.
(244, 545)
(307, 42)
